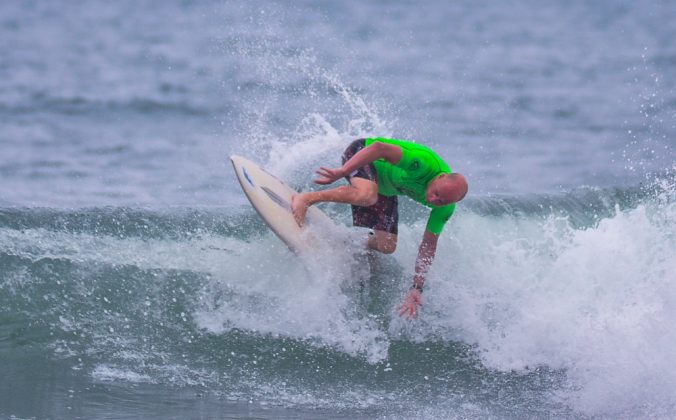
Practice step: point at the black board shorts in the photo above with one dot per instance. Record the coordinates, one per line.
(384, 214)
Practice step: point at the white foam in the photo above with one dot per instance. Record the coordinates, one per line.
(112, 373)
(269, 290)
(201, 253)
(597, 303)
(269, 293)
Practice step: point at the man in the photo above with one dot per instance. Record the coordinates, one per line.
(378, 170)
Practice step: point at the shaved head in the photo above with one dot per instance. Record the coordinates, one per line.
(447, 189)
(459, 185)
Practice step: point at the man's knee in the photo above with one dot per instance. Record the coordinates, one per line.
(387, 247)
(369, 198)
(384, 242)
(367, 195)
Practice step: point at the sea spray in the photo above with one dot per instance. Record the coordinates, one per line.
(310, 297)
(539, 300)
(595, 302)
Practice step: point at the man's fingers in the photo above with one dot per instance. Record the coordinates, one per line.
(326, 176)
(410, 309)
(324, 179)
(328, 173)
(409, 313)
(325, 172)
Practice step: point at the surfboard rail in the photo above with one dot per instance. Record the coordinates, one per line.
(271, 198)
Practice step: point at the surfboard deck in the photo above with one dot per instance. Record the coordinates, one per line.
(271, 197)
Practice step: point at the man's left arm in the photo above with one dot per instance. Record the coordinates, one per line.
(426, 253)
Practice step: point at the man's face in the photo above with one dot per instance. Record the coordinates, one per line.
(440, 193)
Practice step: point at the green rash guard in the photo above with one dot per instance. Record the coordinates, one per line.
(418, 166)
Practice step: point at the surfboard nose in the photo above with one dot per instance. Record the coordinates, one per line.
(271, 198)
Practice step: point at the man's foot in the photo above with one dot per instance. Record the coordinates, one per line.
(299, 206)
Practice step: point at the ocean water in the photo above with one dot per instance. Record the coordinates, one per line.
(137, 282)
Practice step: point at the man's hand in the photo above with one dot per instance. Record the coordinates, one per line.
(411, 302)
(328, 176)
(426, 252)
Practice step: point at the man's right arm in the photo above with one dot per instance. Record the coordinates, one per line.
(376, 150)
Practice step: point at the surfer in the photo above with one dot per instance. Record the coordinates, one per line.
(378, 170)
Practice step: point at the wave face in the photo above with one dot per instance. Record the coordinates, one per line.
(535, 305)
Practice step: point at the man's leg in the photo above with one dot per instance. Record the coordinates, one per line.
(382, 241)
(383, 218)
(360, 192)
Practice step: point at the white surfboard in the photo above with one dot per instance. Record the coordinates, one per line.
(271, 198)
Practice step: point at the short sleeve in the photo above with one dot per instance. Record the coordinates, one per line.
(438, 218)
(407, 157)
